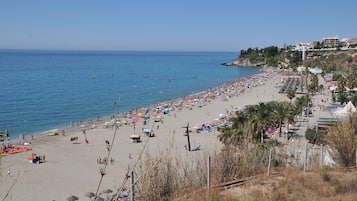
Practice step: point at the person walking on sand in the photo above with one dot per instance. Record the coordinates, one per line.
(8, 173)
(85, 137)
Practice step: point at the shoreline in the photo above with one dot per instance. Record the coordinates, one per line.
(106, 117)
(72, 168)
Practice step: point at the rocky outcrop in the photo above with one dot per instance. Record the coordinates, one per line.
(243, 62)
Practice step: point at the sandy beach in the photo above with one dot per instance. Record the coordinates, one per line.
(71, 167)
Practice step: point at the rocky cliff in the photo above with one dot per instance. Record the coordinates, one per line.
(241, 61)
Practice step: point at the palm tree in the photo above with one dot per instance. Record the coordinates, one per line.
(290, 94)
(283, 111)
(240, 118)
(234, 135)
(259, 117)
(303, 102)
(231, 136)
(306, 76)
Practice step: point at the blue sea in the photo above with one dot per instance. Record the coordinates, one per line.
(43, 90)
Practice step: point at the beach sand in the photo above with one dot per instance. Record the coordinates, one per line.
(72, 169)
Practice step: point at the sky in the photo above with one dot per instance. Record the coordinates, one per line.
(172, 25)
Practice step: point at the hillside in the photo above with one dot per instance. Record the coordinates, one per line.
(332, 60)
(328, 60)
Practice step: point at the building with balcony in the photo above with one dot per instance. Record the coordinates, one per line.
(331, 41)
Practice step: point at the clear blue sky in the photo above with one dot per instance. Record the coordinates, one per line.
(169, 25)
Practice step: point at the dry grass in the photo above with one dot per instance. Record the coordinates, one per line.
(173, 176)
(295, 185)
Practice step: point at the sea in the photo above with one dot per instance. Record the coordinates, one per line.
(45, 90)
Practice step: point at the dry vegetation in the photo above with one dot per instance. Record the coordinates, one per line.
(185, 177)
(177, 179)
(294, 185)
(332, 60)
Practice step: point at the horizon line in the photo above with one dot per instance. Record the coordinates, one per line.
(103, 50)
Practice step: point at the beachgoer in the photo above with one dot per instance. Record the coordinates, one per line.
(8, 173)
(99, 160)
(63, 133)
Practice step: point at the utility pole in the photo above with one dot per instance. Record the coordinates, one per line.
(132, 186)
(188, 136)
(208, 177)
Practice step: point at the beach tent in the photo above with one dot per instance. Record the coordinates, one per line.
(197, 126)
(345, 111)
(316, 70)
(333, 88)
(222, 115)
(301, 69)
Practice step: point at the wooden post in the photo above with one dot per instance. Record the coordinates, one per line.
(322, 156)
(132, 186)
(208, 177)
(305, 158)
(188, 137)
(269, 161)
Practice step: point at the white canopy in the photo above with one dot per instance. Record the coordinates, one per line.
(345, 111)
(332, 88)
(316, 70)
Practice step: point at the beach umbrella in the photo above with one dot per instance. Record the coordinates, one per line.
(197, 126)
(107, 191)
(89, 194)
(72, 198)
(99, 199)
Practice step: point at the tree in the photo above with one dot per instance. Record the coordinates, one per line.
(290, 94)
(283, 111)
(260, 116)
(313, 136)
(342, 139)
(314, 84)
(295, 58)
(270, 51)
(231, 137)
(303, 102)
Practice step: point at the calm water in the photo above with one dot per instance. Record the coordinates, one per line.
(42, 90)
